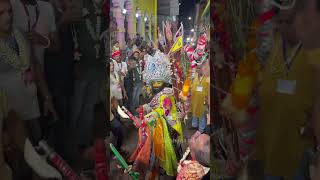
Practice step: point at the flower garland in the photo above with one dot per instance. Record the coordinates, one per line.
(9, 56)
(223, 37)
(94, 33)
(265, 35)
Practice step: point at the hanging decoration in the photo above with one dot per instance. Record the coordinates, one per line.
(265, 32)
(222, 35)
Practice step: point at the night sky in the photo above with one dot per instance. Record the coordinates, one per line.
(187, 8)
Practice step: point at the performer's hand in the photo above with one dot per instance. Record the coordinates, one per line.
(36, 38)
(48, 107)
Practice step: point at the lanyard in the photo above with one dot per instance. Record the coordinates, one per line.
(120, 66)
(29, 18)
(289, 60)
(138, 68)
(200, 78)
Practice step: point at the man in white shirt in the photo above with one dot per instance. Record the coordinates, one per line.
(119, 66)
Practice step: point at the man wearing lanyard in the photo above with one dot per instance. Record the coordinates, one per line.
(137, 80)
(308, 27)
(199, 95)
(285, 96)
(36, 20)
(90, 68)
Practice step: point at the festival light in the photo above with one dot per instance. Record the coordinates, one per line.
(145, 19)
(188, 39)
(189, 18)
(124, 11)
(137, 15)
(192, 30)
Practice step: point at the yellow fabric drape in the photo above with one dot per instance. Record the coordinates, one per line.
(163, 145)
(169, 163)
(158, 141)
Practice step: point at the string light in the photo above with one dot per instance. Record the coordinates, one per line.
(189, 18)
(137, 15)
(124, 11)
(145, 19)
(192, 30)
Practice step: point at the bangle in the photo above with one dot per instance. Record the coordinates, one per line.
(48, 41)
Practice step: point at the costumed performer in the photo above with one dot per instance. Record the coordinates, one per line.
(164, 133)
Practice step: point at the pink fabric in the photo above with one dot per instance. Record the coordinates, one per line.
(167, 105)
(190, 170)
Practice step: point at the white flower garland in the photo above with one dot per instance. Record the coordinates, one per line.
(9, 56)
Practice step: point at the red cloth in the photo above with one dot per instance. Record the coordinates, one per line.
(116, 53)
(101, 160)
(141, 155)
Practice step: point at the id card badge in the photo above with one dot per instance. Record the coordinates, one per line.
(286, 86)
(199, 88)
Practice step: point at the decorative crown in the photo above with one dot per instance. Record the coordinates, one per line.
(157, 68)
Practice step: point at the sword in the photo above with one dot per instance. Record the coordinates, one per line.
(123, 163)
(137, 123)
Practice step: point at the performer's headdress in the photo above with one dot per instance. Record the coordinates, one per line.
(157, 68)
